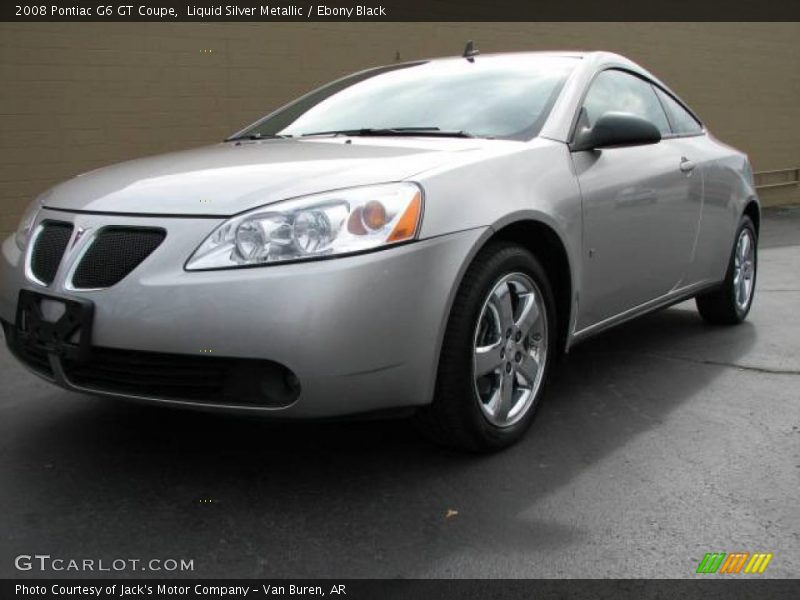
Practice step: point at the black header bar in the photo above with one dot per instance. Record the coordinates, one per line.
(400, 10)
(711, 587)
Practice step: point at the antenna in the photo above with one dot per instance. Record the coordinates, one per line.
(470, 52)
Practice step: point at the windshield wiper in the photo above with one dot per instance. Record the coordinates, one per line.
(257, 136)
(395, 131)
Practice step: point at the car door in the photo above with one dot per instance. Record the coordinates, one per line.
(715, 226)
(640, 205)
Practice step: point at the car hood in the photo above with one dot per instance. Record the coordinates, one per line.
(229, 178)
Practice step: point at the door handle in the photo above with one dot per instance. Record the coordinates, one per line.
(687, 166)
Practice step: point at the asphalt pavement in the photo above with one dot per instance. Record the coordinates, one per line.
(657, 442)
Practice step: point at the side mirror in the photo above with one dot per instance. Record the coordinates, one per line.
(616, 129)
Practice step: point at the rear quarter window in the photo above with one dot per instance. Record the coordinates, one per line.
(683, 123)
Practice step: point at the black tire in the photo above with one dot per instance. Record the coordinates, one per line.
(719, 307)
(455, 419)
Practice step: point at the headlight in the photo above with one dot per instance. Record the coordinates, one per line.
(23, 234)
(329, 224)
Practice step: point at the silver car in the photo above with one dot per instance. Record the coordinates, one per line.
(424, 237)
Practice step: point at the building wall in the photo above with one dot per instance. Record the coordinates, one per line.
(76, 96)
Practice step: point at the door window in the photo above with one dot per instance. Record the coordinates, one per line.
(619, 91)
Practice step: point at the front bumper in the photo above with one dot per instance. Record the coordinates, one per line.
(361, 333)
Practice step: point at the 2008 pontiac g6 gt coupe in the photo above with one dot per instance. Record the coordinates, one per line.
(426, 235)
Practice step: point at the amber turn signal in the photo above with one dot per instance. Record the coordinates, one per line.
(407, 225)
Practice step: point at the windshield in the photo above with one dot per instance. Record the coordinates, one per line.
(505, 97)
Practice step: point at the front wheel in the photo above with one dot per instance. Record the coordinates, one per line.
(730, 303)
(496, 352)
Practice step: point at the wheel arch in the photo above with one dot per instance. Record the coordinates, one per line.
(532, 231)
(543, 240)
(753, 210)
(546, 244)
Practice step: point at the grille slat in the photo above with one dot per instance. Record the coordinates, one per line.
(182, 375)
(114, 253)
(134, 383)
(48, 250)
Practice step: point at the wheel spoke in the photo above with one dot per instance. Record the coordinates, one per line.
(745, 248)
(504, 398)
(501, 299)
(529, 315)
(742, 295)
(528, 369)
(487, 359)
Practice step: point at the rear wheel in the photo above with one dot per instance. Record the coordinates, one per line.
(730, 303)
(496, 352)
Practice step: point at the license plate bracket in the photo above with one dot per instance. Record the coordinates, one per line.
(57, 336)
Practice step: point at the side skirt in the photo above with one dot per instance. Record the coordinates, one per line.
(659, 303)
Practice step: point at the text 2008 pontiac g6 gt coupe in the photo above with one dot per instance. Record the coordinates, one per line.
(426, 235)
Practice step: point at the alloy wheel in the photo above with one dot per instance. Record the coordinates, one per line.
(510, 349)
(744, 265)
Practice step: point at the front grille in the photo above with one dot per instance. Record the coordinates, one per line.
(200, 379)
(48, 250)
(114, 253)
(185, 377)
(149, 374)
